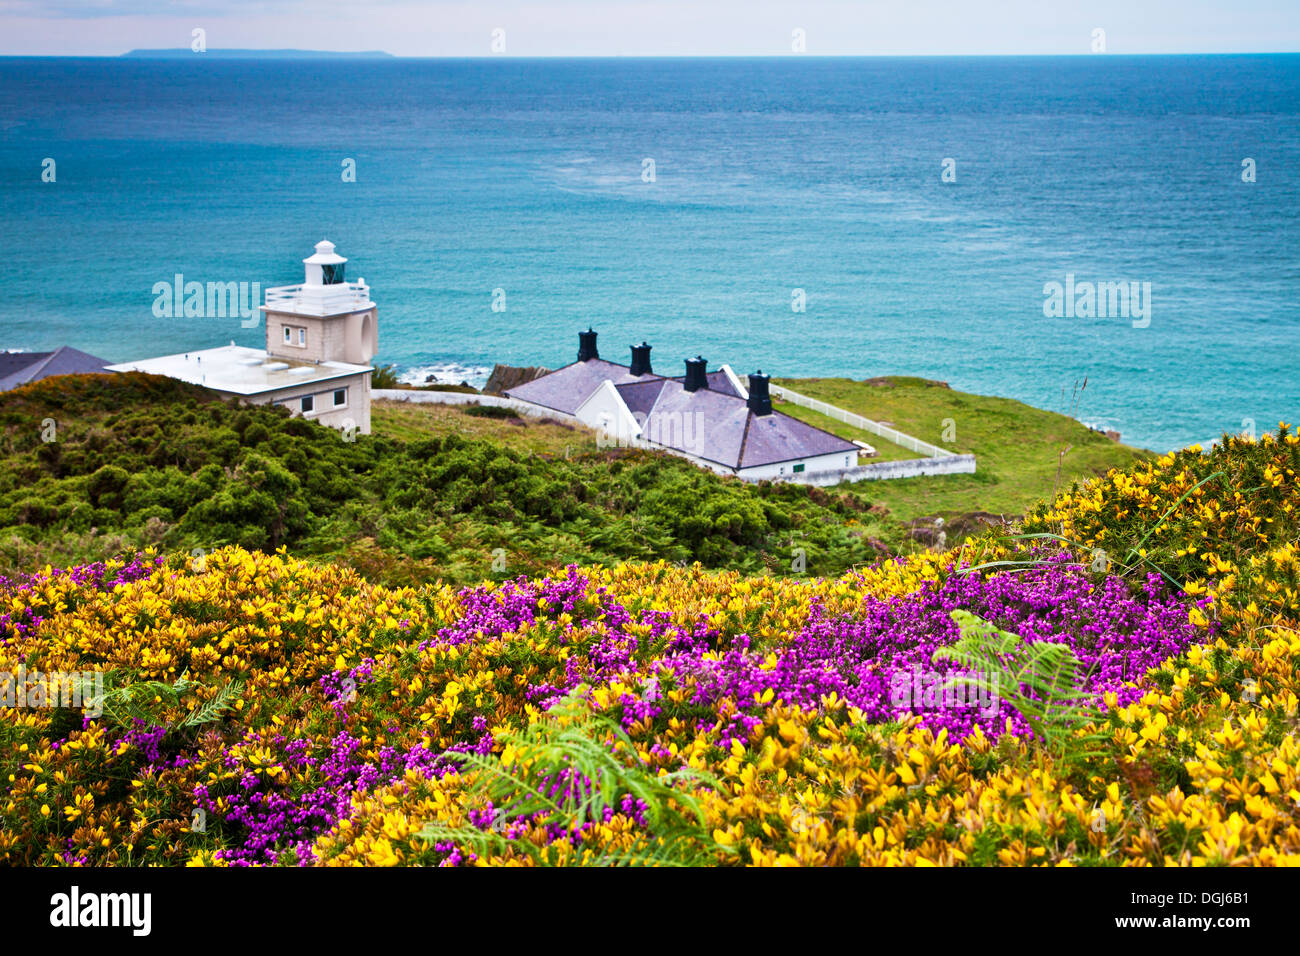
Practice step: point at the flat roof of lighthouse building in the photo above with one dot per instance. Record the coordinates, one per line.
(240, 370)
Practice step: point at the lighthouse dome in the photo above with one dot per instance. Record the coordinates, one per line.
(326, 266)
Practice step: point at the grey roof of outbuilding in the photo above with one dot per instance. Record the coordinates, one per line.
(11, 362)
(719, 427)
(567, 388)
(775, 438)
(704, 423)
(640, 396)
(19, 368)
(712, 423)
(718, 382)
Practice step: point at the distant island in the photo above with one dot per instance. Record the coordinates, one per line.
(260, 54)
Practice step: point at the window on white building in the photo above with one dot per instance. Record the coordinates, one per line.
(307, 403)
(340, 397)
(287, 333)
(798, 468)
(302, 336)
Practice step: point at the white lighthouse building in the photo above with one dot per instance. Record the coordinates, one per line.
(320, 338)
(326, 318)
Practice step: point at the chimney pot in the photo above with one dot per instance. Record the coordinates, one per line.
(760, 399)
(587, 346)
(640, 360)
(696, 375)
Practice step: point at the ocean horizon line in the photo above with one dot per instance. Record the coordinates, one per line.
(243, 53)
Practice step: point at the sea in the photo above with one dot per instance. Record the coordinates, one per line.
(806, 216)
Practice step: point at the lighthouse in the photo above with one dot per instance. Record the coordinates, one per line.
(320, 338)
(326, 318)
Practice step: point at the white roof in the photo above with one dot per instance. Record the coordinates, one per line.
(240, 370)
(325, 254)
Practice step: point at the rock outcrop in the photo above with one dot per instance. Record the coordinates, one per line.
(508, 376)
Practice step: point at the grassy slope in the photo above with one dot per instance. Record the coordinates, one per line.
(405, 421)
(1017, 447)
(435, 492)
(350, 502)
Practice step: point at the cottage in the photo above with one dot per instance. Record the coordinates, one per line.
(320, 338)
(711, 418)
(19, 368)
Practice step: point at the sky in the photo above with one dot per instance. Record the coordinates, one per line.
(654, 27)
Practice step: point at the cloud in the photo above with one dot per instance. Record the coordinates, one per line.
(98, 9)
(653, 27)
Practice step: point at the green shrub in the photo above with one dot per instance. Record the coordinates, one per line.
(490, 411)
(154, 461)
(385, 376)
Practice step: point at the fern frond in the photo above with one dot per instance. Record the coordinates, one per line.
(593, 763)
(211, 709)
(1043, 681)
(147, 701)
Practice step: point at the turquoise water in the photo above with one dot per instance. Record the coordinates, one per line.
(770, 175)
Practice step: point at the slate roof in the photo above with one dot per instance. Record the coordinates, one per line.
(718, 382)
(775, 438)
(640, 397)
(19, 368)
(704, 423)
(712, 423)
(11, 362)
(719, 427)
(566, 388)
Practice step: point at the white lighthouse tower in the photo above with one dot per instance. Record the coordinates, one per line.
(326, 318)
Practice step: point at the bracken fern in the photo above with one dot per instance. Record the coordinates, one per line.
(570, 740)
(1042, 680)
(147, 701)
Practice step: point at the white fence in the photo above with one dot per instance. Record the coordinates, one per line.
(884, 471)
(864, 424)
(340, 295)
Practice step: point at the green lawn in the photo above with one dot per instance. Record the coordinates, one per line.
(885, 450)
(1017, 446)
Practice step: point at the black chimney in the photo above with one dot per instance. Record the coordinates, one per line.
(760, 400)
(695, 375)
(587, 346)
(640, 360)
